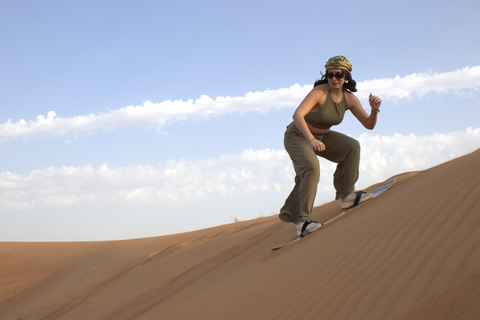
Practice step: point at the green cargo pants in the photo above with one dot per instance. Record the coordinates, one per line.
(339, 148)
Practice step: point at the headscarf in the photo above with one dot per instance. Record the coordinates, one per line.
(339, 62)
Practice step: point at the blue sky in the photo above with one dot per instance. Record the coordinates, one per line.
(125, 119)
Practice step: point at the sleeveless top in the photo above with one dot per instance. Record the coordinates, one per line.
(329, 114)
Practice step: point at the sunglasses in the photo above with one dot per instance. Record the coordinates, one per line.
(330, 75)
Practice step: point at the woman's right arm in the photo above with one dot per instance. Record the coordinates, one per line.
(313, 98)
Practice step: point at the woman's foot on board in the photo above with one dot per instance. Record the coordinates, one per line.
(304, 228)
(355, 198)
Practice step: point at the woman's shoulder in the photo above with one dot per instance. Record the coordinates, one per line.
(321, 89)
(317, 95)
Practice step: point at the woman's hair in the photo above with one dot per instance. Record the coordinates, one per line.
(351, 85)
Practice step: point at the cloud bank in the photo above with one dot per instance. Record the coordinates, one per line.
(234, 177)
(421, 84)
(156, 115)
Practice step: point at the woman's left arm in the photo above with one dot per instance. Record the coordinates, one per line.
(368, 121)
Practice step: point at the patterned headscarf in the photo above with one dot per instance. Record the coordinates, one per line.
(339, 62)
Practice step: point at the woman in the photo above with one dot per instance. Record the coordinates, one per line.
(309, 136)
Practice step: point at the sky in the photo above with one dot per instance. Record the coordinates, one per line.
(132, 119)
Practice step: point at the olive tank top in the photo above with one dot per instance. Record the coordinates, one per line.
(330, 113)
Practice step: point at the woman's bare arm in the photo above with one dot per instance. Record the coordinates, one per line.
(368, 121)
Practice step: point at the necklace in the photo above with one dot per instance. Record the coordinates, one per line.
(337, 100)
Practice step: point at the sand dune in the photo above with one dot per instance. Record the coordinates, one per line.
(412, 253)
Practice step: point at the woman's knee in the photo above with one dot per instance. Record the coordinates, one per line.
(350, 144)
(355, 146)
(351, 150)
(310, 170)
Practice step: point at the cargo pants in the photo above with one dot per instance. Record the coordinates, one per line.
(339, 148)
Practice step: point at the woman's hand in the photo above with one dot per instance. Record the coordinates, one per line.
(317, 145)
(375, 102)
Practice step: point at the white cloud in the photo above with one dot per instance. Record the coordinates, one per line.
(422, 83)
(235, 177)
(385, 156)
(151, 115)
(242, 175)
(156, 115)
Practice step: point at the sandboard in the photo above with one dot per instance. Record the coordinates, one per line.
(381, 189)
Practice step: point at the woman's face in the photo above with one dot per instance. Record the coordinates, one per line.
(332, 75)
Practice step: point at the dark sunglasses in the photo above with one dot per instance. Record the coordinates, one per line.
(330, 75)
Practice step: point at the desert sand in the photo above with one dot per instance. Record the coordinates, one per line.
(411, 253)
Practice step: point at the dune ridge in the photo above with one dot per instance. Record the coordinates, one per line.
(411, 253)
